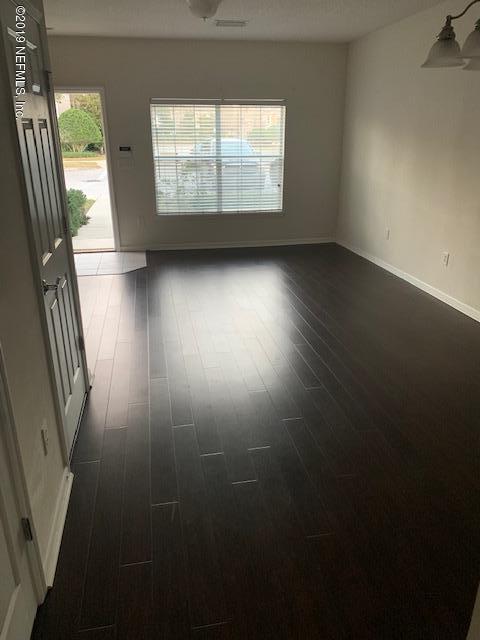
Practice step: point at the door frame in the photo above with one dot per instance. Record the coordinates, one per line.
(34, 259)
(19, 484)
(101, 91)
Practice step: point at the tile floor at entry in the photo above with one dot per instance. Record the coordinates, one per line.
(279, 444)
(109, 262)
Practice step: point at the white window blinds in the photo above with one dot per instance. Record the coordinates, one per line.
(218, 157)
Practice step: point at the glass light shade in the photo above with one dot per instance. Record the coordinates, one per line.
(471, 48)
(444, 53)
(473, 65)
(203, 8)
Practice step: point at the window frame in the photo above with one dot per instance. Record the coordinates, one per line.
(281, 102)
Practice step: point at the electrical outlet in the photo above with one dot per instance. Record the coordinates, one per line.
(45, 438)
(445, 258)
(387, 233)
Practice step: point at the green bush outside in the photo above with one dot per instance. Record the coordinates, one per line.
(77, 130)
(77, 209)
(80, 154)
(97, 147)
(89, 102)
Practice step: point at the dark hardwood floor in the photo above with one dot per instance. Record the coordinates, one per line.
(279, 443)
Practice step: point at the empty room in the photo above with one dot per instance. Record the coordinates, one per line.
(240, 320)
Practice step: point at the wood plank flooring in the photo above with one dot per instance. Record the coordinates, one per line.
(279, 444)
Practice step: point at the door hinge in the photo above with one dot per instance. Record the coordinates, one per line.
(27, 529)
(81, 343)
(48, 81)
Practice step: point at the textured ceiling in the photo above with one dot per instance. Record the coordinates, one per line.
(309, 20)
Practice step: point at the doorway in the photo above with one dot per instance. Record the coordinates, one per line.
(81, 123)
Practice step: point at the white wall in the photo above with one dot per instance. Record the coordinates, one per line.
(412, 156)
(311, 77)
(22, 339)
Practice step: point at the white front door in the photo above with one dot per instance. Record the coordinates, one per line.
(18, 602)
(47, 210)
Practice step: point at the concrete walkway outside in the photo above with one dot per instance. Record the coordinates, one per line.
(90, 176)
(98, 233)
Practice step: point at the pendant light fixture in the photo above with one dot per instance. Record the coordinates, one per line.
(446, 51)
(471, 48)
(203, 8)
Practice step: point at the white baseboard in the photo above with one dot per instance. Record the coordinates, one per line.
(226, 245)
(424, 286)
(55, 540)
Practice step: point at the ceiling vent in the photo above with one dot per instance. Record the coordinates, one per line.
(230, 23)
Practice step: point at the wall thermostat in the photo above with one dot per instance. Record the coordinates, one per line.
(125, 155)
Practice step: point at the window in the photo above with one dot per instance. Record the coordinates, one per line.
(218, 157)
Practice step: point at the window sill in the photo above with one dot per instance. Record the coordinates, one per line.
(224, 214)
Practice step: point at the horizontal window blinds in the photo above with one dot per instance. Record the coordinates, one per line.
(218, 157)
